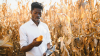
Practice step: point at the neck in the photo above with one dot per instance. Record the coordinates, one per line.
(36, 22)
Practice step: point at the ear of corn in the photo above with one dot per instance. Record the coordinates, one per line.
(39, 38)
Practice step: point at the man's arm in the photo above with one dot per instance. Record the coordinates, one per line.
(48, 46)
(24, 41)
(30, 46)
(27, 48)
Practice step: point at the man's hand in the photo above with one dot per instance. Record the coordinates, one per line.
(30, 46)
(36, 43)
(48, 46)
(44, 54)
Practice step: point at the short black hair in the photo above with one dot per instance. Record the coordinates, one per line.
(36, 5)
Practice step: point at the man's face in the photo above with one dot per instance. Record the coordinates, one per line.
(36, 14)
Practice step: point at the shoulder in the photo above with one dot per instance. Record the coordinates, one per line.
(44, 24)
(24, 25)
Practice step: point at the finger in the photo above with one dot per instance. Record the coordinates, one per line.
(35, 38)
(39, 41)
(44, 54)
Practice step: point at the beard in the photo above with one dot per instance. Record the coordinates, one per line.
(36, 19)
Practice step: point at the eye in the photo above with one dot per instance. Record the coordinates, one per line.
(40, 13)
(35, 13)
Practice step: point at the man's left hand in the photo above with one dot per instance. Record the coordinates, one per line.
(44, 54)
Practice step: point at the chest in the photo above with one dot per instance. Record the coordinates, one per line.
(33, 32)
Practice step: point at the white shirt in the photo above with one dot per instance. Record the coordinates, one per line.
(29, 31)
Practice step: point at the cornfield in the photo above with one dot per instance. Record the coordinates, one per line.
(74, 29)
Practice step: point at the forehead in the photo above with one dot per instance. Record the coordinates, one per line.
(37, 10)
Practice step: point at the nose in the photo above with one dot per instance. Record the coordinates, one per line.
(38, 15)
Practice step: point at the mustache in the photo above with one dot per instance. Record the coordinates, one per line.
(38, 17)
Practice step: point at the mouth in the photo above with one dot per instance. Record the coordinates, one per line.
(38, 18)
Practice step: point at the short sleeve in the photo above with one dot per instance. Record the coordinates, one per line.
(23, 37)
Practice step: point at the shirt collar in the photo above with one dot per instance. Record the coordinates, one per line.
(31, 22)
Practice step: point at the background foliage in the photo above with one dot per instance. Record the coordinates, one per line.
(75, 29)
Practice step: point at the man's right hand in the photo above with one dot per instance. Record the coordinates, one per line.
(30, 46)
(36, 43)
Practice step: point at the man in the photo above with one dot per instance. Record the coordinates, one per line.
(33, 29)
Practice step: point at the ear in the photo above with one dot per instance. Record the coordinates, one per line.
(31, 12)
